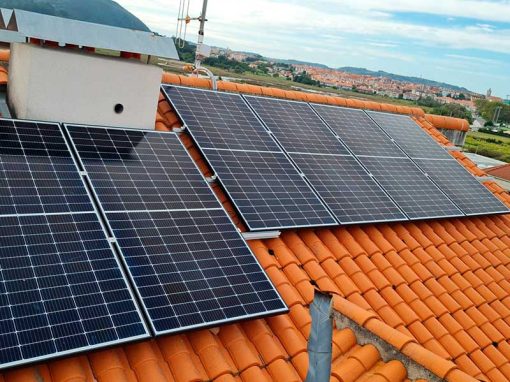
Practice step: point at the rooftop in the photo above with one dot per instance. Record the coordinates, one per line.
(413, 301)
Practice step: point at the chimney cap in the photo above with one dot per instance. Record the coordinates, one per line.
(26, 25)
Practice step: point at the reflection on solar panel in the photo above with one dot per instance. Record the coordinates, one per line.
(61, 287)
(471, 196)
(265, 187)
(220, 120)
(409, 136)
(347, 189)
(192, 269)
(37, 172)
(413, 192)
(268, 190)
(189, 263)
(296, 126)
(136, 170)
(358, 131)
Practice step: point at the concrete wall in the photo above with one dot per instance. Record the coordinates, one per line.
(53, 84)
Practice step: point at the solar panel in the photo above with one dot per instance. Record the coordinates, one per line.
(192, 269)
(471, 196)
(413, 192)
(219, 120)
(347, 189)
(268, 190)
(296, 126)
(263, 184)
(140, 170)
(61, 287)
(37, 172)
(358, 132)
(186, 258)
(409, 136)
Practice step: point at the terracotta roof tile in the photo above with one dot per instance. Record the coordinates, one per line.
(433, 290)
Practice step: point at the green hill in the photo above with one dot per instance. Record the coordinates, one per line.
(105, 12)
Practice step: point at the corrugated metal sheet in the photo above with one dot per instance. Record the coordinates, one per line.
(66, 31)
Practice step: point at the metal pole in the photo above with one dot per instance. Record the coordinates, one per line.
(320, 339)
(198, 59)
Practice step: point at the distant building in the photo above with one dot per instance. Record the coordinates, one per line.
(489, 93)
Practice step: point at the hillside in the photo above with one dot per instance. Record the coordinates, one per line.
(105, 12)
(397, 77)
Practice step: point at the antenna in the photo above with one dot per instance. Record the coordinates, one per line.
(202, 50)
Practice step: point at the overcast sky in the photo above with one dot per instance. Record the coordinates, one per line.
(463, 42)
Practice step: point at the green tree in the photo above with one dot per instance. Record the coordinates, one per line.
(453, 110)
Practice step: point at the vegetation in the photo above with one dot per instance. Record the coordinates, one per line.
(304, 78)
(428, 102)
(105, 12)
(453, 110)
(490, 145)
(487, 109)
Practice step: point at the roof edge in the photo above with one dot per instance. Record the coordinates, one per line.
(175, 79)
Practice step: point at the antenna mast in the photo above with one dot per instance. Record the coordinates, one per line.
(202, 50)
(199, 54)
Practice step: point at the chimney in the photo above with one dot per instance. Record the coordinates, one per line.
(78, 72)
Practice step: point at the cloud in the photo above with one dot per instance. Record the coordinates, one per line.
(495, 10)
(272, 21)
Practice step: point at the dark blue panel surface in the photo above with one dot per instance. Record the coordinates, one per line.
(347, 189)
(190, 266)
(268, 190)
(192, 269)
(296, 126)
(358, 131)
(412, 190)
(37, 172)
(409, 136)
(140, 170)
(220, 120)
(467, 192)
(61, 289)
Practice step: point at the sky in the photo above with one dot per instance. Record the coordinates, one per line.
(462, 42)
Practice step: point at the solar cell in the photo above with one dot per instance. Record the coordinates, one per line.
(61, 289)
(219, 120)
(347, 189)
(37, 172)
(296, 126)
(413, 192)
(409, 136)
(192, 269)
(358, 132)
(186, 258)
(140, 170)
(467, 192)
(267, 190)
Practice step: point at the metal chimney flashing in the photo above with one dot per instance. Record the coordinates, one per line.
(65, 31)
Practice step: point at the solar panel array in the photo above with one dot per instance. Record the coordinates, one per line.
(61, 287)
(409, 187)
(265, 187)
(188, 262)
(347, 189)
(363, 165)
(471, 197)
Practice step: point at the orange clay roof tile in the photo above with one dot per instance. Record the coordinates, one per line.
(441, 286)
